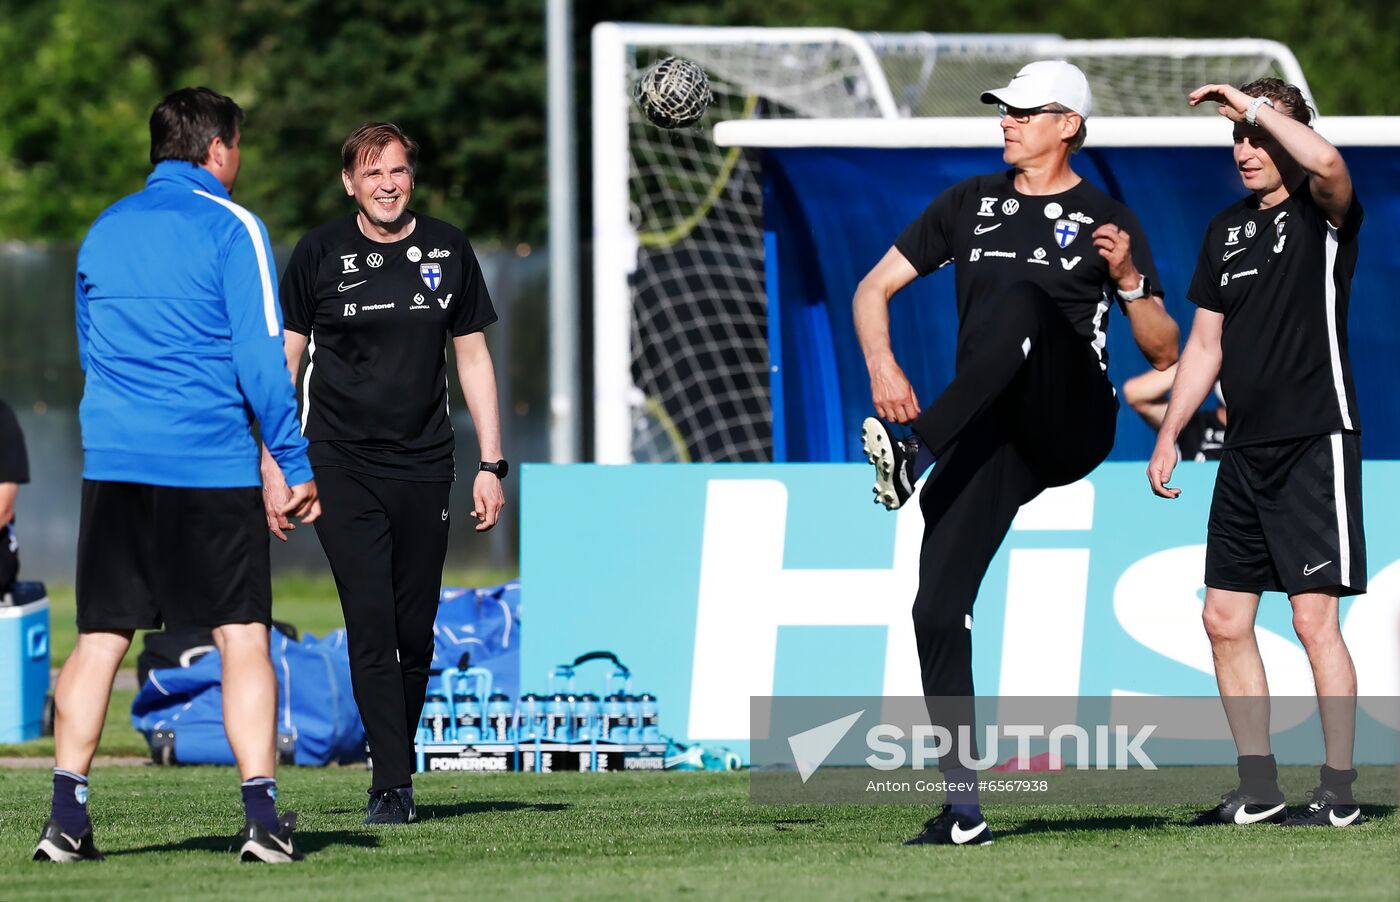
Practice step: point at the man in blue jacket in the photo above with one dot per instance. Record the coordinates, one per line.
(180, 339)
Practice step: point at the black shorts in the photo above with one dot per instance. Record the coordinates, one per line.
(1286, 517)
(152, 555)
(9, 558)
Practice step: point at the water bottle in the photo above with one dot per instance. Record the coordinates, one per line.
(615, 723)
(498, 718)
(529, 718)
(634, 718)
(650, 713)
(556, 718)
(467, 714)
(586, 718)
(436, 720)
(448, 678)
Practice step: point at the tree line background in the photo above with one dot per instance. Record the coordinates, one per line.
(467, 79)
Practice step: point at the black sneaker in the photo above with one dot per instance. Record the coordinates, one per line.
(1237, 808)
(262, 844)
(55, 845)
(894, 462)
(1326, 809)
(391, 806)
(949, 829)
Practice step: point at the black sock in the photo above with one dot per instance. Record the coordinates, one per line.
(1339, 782)
(1259, 777)
(260, 801)
(923, 459)
(965, 799)
(70, 795)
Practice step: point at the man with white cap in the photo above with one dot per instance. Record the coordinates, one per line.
(1041, 255)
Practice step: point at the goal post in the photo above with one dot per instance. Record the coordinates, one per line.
(682, 366)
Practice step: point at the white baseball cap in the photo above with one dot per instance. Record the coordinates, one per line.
(1045, 82)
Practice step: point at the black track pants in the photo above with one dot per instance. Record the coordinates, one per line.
(1029, 408)
(386, 540)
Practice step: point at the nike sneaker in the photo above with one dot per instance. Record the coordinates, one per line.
(55, 845)
(893, 460)
(391, 806)
(1325, 809)
(949, 829)
(1237, 808)
(272, 847)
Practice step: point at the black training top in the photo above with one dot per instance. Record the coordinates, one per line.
(14, 467)
(998, 236)
(14, 463)
(1203, 436)
(1282, 278)
(375, 393)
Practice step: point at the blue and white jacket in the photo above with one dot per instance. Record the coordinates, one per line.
(180, 337)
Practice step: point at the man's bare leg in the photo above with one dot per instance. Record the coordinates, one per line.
(250, 697)
(81, 696)
(1318, 627)
(1239, 668)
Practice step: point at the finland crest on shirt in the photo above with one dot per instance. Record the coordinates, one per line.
(431, 273)
(1066, 230)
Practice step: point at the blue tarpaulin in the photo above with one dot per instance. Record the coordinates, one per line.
(832, 213)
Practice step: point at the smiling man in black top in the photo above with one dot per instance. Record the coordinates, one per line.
(377, 295)
(1041, 256)
(1273, 283)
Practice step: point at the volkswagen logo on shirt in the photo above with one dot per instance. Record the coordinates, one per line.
(375, 261)
(432, 274)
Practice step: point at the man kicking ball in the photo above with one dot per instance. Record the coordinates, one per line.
(1041, 256)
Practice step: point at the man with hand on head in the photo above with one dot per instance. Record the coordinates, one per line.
(1273, 283)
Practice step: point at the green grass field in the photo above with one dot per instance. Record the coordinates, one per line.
(167, 834)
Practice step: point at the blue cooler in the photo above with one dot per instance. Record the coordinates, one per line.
(24, 662)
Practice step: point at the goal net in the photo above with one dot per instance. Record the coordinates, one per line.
(682, 368)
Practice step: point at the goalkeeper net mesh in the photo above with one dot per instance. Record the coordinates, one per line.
(699, 350)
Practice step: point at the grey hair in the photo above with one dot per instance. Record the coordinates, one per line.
(1076, 143)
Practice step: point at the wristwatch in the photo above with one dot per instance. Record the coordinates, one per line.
(500, 468)
(1143, 290)
(1251, 114)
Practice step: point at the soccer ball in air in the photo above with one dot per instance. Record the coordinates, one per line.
(673, 93)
